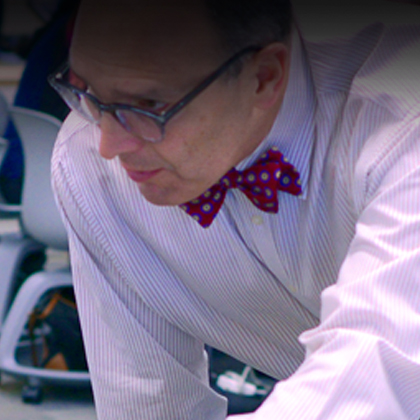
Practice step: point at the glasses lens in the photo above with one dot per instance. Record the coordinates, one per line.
(140, 125)
(73, 91)
(88, 108)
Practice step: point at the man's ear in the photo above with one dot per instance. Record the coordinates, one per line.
(271, 72)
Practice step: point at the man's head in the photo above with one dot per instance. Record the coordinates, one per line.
(151, 53)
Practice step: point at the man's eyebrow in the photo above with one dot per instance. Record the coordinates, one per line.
(163, 94)
(151, 93)
(146, 94)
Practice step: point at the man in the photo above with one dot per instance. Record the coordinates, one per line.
(174, 101)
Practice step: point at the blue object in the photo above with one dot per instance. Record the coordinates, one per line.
(49, 51)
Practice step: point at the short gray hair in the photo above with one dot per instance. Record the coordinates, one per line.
(251, 22)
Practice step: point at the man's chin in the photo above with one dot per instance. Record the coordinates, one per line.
(166, 197)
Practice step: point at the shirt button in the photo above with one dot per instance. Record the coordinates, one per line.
(257, 220)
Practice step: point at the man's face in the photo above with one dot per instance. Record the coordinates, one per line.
(151, 54)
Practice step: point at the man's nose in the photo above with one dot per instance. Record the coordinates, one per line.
(115, 139)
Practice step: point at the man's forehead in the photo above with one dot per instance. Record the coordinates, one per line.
(140, 43)
(125, 29)
(161, 7)
(152, 20)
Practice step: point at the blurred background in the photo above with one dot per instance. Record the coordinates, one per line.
(21, 23)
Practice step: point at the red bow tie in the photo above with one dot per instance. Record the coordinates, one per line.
(259, 183)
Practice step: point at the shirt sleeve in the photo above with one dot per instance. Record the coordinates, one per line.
(142, 367)
(363, 360)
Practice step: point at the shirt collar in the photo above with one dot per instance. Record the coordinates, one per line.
(293, 131)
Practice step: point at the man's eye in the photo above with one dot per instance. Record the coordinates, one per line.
(152, 105)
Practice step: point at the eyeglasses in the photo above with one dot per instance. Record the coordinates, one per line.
(141, 122)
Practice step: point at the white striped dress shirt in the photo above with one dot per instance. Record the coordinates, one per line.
(324, 296)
